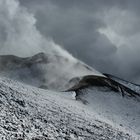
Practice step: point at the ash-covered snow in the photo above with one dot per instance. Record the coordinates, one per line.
(29, 113)
(128, 84)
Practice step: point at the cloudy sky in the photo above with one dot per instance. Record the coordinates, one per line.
(103, 33)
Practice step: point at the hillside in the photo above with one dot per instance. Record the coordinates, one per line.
(29, 113)
(44, 70)
(51, 97)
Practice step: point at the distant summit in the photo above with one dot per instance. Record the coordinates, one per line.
(44, 70)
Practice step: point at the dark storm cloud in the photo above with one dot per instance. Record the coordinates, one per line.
(75, 24)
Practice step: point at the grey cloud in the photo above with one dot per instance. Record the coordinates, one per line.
(74, 24)
(75, 29)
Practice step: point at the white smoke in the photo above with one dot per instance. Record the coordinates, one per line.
(18, 33)
(19, 36)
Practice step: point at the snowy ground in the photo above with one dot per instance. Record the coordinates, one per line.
(29, 113)
(123, 111)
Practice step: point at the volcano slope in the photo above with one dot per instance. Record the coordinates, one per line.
(109, 83)
(110, 110)
(29, 113)
(44, 70)
(58, 73)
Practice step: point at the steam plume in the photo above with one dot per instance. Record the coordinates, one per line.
(18, 33)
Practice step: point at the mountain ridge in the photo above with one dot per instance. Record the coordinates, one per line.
(62, 99)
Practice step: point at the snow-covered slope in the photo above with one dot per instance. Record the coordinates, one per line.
(29, 113)
(123, 111)
(102, 107)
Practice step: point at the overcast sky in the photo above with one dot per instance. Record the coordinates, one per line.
(103, 33)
